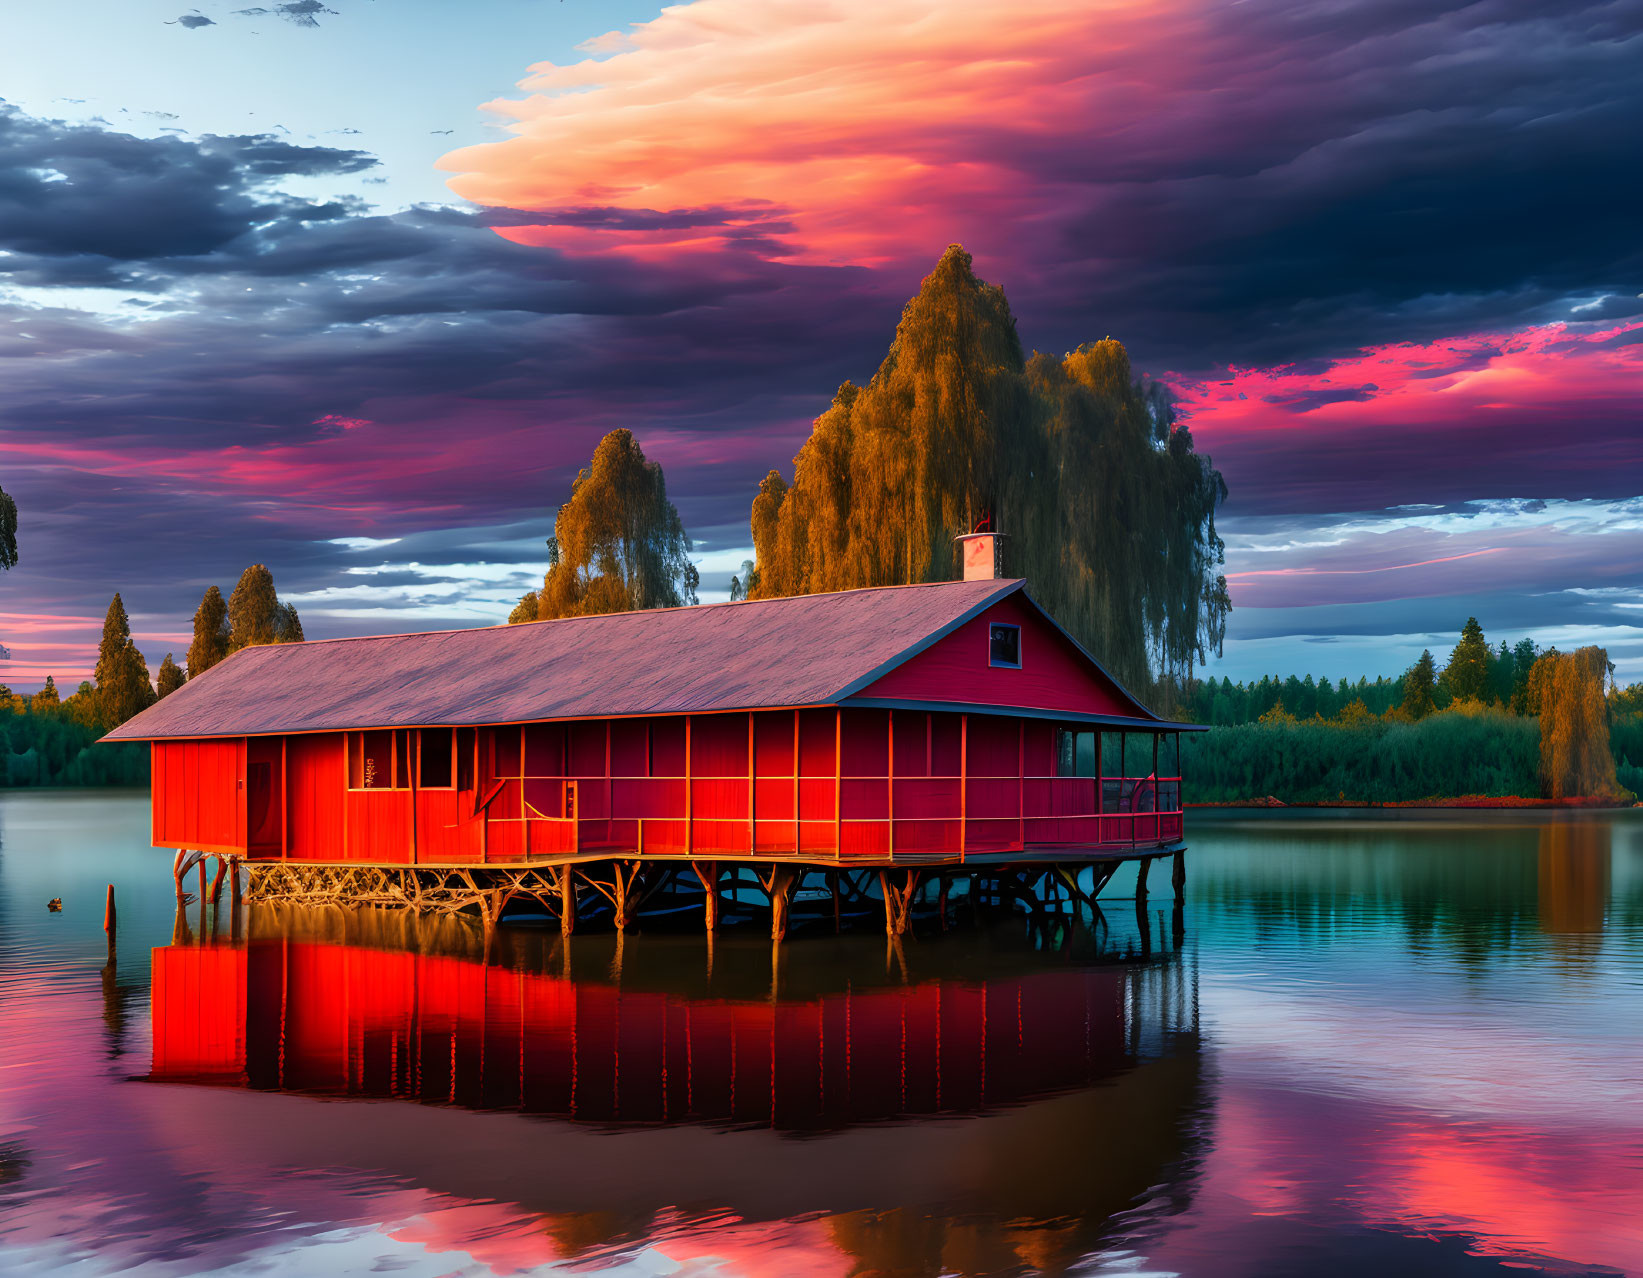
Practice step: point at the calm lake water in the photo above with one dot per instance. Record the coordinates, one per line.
(1375, 1046)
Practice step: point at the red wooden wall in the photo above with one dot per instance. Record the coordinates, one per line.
(198, 791)
(866, 784)
(1053, 674)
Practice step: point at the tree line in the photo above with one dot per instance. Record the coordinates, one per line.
(1519, 721)
(49, 739)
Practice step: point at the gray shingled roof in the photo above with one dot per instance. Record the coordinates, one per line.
(803, 651)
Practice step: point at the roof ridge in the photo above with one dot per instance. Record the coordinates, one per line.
(631, 612)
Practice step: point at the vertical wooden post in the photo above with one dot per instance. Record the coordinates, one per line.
(833, 883)
(413, 761)
(890, 778)
(216, 879)
(752, 792)
(963, 785)
(941, 903)
(798, 830)
(567, 899)
(838, 784)
(1141, 879)
(1021, 783)
(202, 888)
(1179, 878)
(177, 873)
(708, 874)
(108, 917)
(285, 810)
(690, 799)
(783, 879)
(889, 903)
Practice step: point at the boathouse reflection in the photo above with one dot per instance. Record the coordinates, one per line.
(1078, 1083)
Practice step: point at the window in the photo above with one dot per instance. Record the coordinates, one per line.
(379, 760)
(435, 750)
(1004, 646)
(1075, 753)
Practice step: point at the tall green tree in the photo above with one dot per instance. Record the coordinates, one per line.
(1467, 674)
(1107, 508)
(169, 679)
(618, 543)
(8, 530)
(122, 681)
(255, 614)
(1419, 685)
(210, 643)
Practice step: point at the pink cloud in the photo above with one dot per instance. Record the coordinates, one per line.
(842, 132)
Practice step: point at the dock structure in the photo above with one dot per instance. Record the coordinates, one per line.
(870, 744)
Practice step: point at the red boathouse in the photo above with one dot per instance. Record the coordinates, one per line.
(907, 731)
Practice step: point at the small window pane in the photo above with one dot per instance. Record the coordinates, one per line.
(435, 760)
(1066, 762)
(371, 760)
(1086, 755)
(1006, 646)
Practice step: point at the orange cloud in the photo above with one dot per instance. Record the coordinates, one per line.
(852, 131)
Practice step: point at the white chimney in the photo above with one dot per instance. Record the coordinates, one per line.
(983, 555)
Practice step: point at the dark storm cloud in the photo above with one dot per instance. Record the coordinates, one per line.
(96, 200)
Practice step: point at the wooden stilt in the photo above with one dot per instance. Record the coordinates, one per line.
(567, 899)
(1179, 878)
(1141, 879)
(217, 878)
(177, 872)
(707, 872)
(202, 882)
(941, 901)
(1143, 920)
(783, 879)
(833, 883)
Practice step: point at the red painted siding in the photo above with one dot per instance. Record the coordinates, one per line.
(199, 795)
(1053, 675)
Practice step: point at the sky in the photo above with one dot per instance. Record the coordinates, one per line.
(352, 289)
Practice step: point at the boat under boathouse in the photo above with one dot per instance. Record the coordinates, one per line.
(887, 738)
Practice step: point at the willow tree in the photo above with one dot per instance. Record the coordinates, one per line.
(1567, 690)
(618, 543)
(1108, 510)
(8, 531)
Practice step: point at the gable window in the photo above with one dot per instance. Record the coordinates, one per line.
(1004, 646)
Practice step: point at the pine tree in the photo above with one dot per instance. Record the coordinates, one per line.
(171, 677)
(1419, 685)
(46, 700)
(122, 675)
(1467, 674)
(253, 610)
(210, 643)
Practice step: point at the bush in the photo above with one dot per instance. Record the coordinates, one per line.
(1469, 749)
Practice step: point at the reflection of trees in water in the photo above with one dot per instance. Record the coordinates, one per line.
(1081, 1080)
(1573, 886)
(1475, 891)
(14, 1163)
